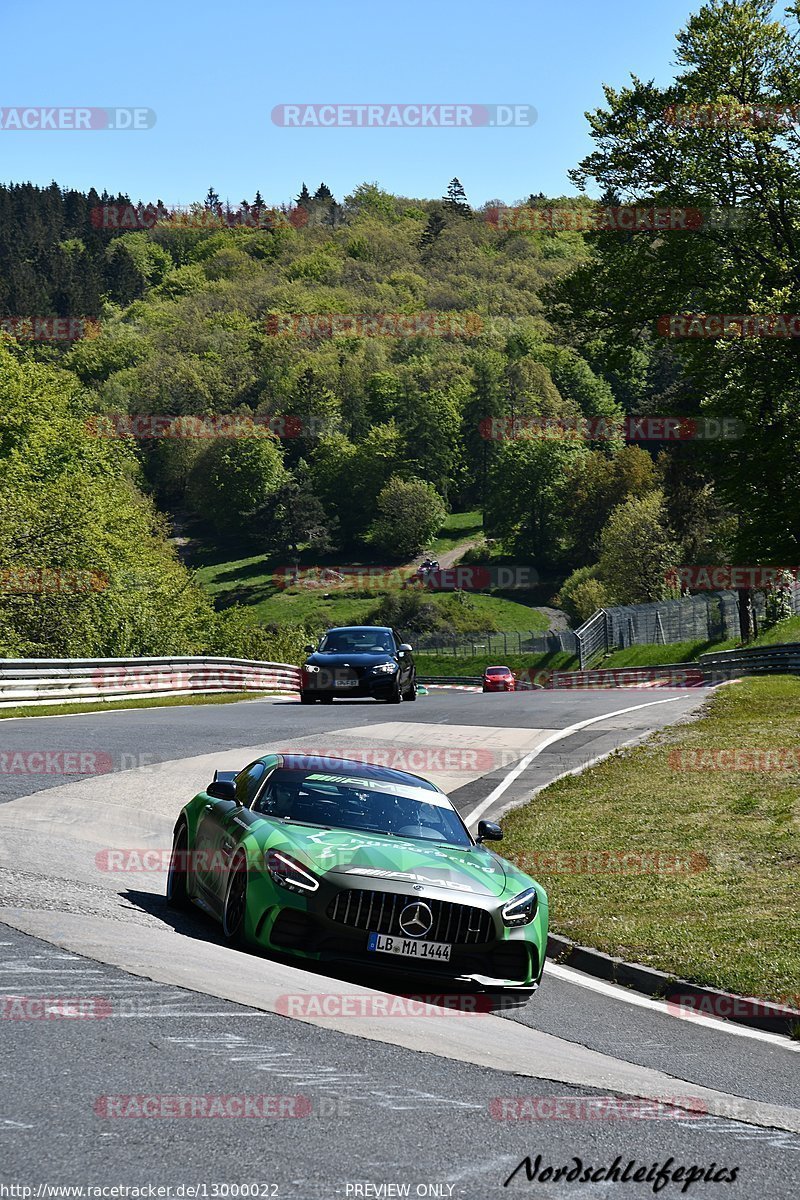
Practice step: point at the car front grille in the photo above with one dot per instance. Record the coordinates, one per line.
(379, 912)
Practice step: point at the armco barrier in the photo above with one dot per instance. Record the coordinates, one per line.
(782, 659)
(663, 675)
(26, 681)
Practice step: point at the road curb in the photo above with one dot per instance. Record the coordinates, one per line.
(688, 998)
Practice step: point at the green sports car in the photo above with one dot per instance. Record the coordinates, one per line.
(333, 859)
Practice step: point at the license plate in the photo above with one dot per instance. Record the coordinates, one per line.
(347, 683)
(409, 947)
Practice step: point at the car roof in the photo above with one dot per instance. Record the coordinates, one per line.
(359, 629)
(354, 768)
(498, 669)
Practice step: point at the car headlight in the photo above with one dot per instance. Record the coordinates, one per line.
(522, 909)
(386, 668)
(288, 872)
(310, 668)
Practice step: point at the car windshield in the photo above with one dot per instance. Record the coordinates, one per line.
(357, 641)
(497, 671)
(369, 805)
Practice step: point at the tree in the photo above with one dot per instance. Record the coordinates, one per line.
(293, 517)
(737, 58)
(433, 228)
(233, 479)
(598, 485)
(304, 199)
(323, 193)
(636, 551)
(456, 199)
(212, 201)
(525, 502)
(410, 512)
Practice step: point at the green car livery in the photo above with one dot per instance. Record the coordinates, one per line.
(338, 860)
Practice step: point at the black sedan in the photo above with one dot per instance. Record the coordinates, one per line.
(359, 660)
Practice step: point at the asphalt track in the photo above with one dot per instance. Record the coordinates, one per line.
(400, 1100)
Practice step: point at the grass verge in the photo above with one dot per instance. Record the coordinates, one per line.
(728, 917)
(93, 706)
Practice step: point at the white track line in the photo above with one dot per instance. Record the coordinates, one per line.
(616, 992)
(558, 736)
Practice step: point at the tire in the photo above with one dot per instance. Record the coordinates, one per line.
(411, 694)
(396, 696)
(233, 913)
(177, 885)
(305, 698)
(326, 699)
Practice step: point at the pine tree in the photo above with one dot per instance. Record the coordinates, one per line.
(323, 192)
(304, 199)
(436, 223)
(456, 198)
(212, 201)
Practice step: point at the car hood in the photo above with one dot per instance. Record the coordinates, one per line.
(362, 856)
(348, 658)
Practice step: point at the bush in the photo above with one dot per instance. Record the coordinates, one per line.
(408, 611)
(582, 593)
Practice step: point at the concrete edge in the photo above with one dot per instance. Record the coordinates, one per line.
(690, 997)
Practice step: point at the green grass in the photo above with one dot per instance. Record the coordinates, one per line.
(457, 528)
(784, 631)
(729, 920)
(673, 652)
(448, 664)
(93, 706)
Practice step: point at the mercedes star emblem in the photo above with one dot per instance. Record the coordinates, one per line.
(416, 919)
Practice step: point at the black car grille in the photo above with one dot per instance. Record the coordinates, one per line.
(379, 912)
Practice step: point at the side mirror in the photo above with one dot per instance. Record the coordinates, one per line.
(489, 831)
(404, 646)
(222, 789)
(308, 649)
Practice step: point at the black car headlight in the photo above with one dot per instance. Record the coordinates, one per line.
(289, 873)
(387, 668)
(522, 909)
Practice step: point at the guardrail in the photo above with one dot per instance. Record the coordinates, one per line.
(781, 659)
(26, 681)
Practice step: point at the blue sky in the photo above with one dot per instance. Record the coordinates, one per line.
(213, 72)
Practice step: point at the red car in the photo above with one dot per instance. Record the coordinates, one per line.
(498, 679)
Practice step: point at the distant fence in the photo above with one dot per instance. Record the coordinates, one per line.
(26, 681)
(486, 644)
(708, 618)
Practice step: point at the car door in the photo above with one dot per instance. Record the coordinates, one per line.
(222, 825)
